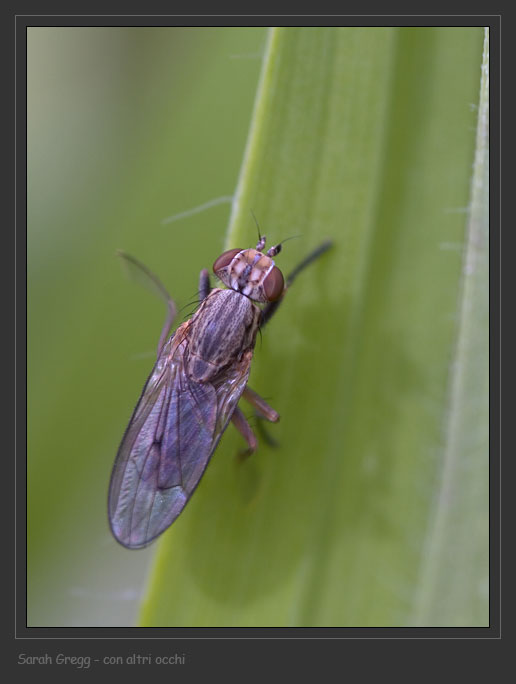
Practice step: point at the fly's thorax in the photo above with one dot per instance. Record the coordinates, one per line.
(251, 273)
(221, 331)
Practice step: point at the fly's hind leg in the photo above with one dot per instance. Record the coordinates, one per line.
(240, 422)
(269, 310)
(262, 407)
(141, 273)
(262, 412)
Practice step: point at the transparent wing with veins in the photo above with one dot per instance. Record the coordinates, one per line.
(172, 434)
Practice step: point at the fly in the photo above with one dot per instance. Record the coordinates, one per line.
(193, 390)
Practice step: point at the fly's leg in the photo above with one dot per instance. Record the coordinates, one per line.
(240, 422)
(261, 406)
(263, 412)
(263, 433)
(271, 308)
(204, 284)
(167, 325)
(141, 273)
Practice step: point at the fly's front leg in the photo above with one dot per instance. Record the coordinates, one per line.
(140, 272)
(270, 309)
(240, 422)
(167, 326)
(204, 284)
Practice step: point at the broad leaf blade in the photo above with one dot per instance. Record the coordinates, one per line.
(365, 136)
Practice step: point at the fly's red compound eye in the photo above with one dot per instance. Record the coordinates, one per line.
(273, 284)
(224, 259)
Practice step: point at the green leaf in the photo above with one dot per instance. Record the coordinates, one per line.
(454, 583)
(372, 511)
(126, 127)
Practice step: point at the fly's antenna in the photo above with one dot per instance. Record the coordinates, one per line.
(257, 226)
(277, 248)
(292, 237)
(261, 238)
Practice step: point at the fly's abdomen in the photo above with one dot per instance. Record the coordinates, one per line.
(221, 331)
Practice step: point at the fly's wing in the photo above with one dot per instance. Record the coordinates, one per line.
(172, 434)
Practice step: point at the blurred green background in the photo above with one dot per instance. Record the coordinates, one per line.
(374, 509)
(126, 127)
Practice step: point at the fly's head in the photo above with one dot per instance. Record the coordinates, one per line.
(251, 272)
